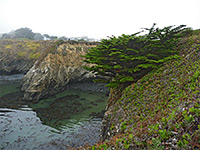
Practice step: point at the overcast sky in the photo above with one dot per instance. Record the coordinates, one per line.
(96, 18)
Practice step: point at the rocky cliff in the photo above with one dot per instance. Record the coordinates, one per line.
(18, 56)
(55, 69)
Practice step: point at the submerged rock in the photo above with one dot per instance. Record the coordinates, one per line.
(55, 70)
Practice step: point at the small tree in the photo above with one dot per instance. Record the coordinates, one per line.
(129, 57)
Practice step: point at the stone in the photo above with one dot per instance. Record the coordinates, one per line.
(18, 56)
(51, 74)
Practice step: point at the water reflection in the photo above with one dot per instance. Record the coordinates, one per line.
(54, 123)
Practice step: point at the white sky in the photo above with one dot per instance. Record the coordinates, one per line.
(96, 18)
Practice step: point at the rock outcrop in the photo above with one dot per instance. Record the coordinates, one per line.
(55, 70)
(18, 56)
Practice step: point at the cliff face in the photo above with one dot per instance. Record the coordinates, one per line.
(18, 56)
(51, 73)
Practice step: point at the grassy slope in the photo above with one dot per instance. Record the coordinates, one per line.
(161, 110)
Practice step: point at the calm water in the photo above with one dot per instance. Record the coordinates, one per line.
(70, 118)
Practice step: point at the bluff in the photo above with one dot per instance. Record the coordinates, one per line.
(159, 111)
(18, 56)
(59, 65)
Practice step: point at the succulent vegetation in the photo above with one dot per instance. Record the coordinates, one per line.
(161, 110)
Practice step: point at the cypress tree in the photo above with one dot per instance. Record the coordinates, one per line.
(125, 59)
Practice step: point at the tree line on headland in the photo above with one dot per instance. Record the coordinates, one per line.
(27, 33)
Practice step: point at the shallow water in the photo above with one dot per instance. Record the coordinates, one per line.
(9, 84)
(69, 119)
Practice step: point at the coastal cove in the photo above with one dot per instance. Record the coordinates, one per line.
(152, 100)
(71, 118)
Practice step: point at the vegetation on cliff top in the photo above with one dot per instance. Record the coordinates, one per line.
(23, 49)
(129, 57)
(162, 109)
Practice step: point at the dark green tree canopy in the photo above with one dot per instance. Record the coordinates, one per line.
(127, 58)
(24, 33)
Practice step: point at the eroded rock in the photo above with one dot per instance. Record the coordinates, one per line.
(18, 56)
(52, 73)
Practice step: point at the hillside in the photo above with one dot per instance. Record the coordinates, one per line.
(162, 109)
(18, 56)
